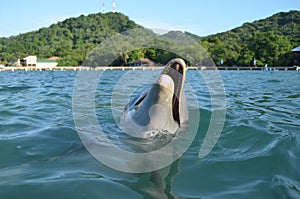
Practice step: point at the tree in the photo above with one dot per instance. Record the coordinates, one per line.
(268, 48)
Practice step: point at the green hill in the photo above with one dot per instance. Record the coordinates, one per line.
(283, 23)
(183, 37)
(71, 39)
(269, 41)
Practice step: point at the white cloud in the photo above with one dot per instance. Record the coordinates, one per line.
(161, 27)
(55, 19)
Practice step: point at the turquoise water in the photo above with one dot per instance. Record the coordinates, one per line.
(256, 156)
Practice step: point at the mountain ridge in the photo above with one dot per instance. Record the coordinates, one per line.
(73, 38)
(257, 41)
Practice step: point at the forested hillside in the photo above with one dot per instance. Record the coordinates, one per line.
(268, 41)
(71, 39)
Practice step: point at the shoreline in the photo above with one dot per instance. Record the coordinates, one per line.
(85, 68)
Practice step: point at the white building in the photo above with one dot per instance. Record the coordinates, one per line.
(296, 56)
(46, 63)
(29, 61)
(33, 61)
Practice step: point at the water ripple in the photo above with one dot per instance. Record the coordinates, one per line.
(257, 155)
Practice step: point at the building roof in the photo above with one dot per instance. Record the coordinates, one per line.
(143, 60)
(297, 49)
(30, 57)
(47, 61)
(53, 58)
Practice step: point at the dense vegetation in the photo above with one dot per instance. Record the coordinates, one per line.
(121, 49)
(268, 41)
(71, 39)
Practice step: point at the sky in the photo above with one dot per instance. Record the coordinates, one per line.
(201, 17)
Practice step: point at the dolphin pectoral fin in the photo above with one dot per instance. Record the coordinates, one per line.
(137, 100)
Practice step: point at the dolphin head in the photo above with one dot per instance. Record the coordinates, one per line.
(162, 107)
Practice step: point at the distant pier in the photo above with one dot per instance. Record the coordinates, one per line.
(85, 68)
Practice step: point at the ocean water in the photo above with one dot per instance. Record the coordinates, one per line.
(256, 156)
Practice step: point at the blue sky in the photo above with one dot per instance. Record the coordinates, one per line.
(202, 17)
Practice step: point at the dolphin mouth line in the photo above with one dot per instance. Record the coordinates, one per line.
(176, 70)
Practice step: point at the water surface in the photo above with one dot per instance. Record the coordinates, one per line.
(256, 156)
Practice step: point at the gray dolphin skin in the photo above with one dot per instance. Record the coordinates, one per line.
(161, 108)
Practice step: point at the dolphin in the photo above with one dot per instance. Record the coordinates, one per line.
(161, 107)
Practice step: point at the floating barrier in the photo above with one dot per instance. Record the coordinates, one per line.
(85, 68)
